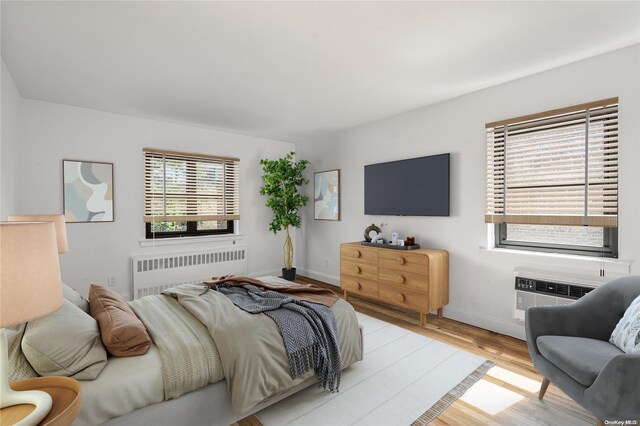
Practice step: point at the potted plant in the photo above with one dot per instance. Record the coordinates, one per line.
(281, 179)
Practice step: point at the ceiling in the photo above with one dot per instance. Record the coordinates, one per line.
(293, 70)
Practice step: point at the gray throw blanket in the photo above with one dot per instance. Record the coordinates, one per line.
(308, 330)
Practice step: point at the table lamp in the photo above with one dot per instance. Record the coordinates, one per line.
(58, 221)
(30, 288)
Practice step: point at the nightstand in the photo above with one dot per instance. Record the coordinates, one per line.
(64, 391)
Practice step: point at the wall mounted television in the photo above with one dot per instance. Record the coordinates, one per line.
(413, 187)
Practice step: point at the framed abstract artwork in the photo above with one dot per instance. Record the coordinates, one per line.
(88, 191)
(326, 195)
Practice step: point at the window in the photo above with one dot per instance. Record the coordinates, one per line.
(552, 180)
(190, 194)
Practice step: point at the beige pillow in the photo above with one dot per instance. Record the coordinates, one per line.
(65, 343)
(123, 334)
(74, 297)
(19, 367)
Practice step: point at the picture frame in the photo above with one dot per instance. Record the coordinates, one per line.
(87, 191)
(326, 195)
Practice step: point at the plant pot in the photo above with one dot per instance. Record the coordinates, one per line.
(289, 274)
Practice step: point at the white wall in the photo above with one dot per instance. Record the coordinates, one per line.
(9, 139)
(481, 282)
(52, 132)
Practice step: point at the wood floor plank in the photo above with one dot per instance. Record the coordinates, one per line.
(507, 352)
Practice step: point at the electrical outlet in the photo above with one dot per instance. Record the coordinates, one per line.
(112, 280)
(327, 263)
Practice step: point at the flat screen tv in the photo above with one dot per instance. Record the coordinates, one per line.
(413, 187)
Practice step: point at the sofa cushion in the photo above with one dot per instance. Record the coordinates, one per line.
(626, 335)
(579, 357)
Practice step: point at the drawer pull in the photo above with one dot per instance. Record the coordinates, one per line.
(401, 260)
(357, 253)
(399, 297)
(357, 269)
(358, 285)
(401, 279)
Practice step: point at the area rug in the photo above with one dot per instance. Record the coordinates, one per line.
(405, 378)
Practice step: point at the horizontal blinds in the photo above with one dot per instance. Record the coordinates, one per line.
(555, 168)
(188, 187)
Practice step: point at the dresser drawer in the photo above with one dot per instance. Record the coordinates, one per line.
(409, 299)
(358, 253)
(358, 269)
(411, 262)
(359, 285)
(404, 279)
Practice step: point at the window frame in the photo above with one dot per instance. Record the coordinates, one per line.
(609, 247)
(229, 193)
(192, 231)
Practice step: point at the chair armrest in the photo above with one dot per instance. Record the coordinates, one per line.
(617, 388)
(562, 320)
(593, 316)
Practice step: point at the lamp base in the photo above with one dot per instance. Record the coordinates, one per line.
(9, 397)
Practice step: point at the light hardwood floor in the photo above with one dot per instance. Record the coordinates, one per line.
(514, 379)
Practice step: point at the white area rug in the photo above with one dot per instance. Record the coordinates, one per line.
(402, 375)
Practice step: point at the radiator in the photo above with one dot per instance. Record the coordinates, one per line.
(155, 273)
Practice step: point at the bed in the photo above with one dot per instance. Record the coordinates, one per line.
(133, 390)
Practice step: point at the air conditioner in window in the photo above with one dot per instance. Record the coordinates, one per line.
(531, 291)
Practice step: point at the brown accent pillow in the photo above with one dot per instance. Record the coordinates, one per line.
(123, 334)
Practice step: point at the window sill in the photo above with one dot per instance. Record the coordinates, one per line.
(584, 263)
(159, 242)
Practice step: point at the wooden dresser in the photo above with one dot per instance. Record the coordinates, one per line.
(417, 280)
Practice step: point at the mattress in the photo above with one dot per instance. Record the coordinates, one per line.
(125, 385)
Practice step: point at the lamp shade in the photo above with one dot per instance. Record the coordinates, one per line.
(58, 221)
(30, 284)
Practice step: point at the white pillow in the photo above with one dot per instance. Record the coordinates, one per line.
(74, 297)
(65, 343)
(626, 335)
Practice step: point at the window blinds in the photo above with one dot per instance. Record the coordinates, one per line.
(558, 167)
(190, 187)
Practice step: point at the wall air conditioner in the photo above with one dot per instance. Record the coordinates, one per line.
(532, 291)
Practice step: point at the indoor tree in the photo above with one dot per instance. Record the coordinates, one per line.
(282, 179)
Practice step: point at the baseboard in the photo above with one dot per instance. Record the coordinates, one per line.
(330, 279)
(487, 322)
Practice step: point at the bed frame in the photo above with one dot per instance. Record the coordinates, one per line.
(210, 405)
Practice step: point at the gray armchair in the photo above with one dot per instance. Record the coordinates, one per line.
(569, 345)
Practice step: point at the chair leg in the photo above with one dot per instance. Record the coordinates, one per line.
(543, 388)
(599, 422)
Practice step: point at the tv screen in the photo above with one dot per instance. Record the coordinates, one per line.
(414, 187)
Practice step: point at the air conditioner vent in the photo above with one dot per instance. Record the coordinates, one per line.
(579, 291)
(534, 292)
(571, 291)
(562, 289)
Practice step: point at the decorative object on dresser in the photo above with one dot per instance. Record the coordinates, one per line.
(282, 179)
(88, 191)
(326, 195)
(30, 288)
(418, 281)
(372, 231)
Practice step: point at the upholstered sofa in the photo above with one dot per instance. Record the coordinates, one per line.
(569, 345)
